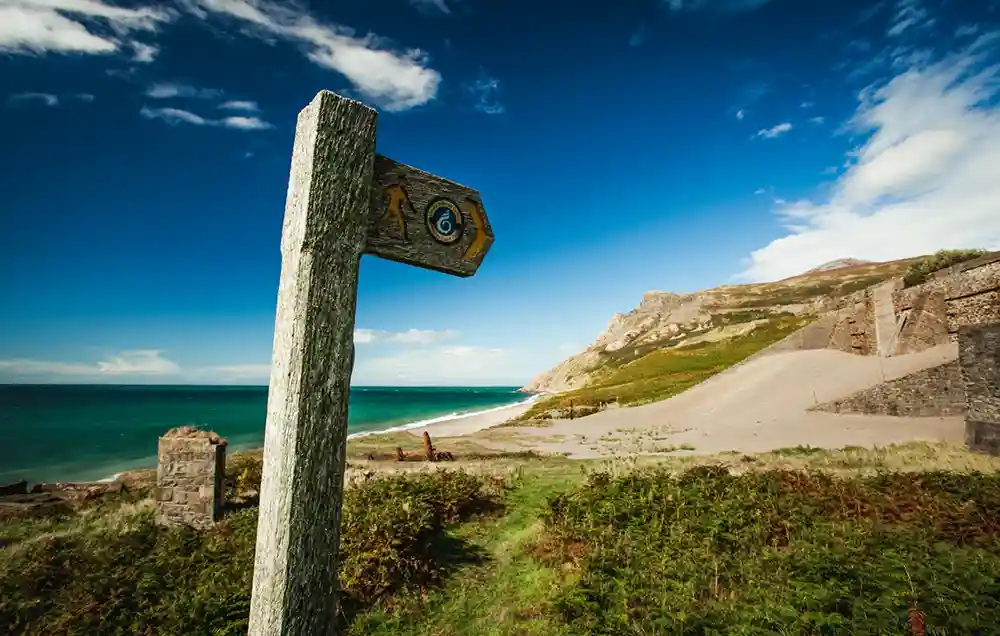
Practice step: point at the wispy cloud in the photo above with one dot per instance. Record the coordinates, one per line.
(910, 14)
(36, 27)
(409, 337)
(140, 362)
(395, 79)
(485, 91)
(818, 119)
(925, 174)
(441, 366)
(181, 116)
(171, 90)
(46, 99)
(244, 123)
(740, 114)
(243, 105)
(774, 131)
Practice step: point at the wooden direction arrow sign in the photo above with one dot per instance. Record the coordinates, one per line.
(343, 201)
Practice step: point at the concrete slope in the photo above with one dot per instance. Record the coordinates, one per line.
(764, 405)
(885, 318)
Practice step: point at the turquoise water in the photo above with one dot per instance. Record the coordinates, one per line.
(78, 433)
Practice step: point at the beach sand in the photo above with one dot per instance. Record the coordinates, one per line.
(471, 423)
(760, 406)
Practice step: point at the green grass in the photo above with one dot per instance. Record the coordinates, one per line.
(114, 571)
(777, 552)
(919, 271)
(564, 548)
(665, 372)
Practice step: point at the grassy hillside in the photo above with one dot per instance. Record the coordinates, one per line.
(663, 372)
(742, 545)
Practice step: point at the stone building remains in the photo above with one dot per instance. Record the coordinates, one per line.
(190, 477)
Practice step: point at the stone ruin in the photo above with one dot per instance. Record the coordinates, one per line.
(979, 359)
(190, 478)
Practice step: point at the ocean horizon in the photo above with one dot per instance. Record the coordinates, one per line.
(80, 432)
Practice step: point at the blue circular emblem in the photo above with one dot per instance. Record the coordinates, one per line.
(444, 221)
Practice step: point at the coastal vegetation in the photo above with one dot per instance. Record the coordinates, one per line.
(627, 380)
(798, 541)
(920, 270)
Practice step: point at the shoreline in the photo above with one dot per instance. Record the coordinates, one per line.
(452, 425)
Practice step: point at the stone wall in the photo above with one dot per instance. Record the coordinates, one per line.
(934, 392)
(190, 477)
(932, 313)
(854, 331)
(979, 358)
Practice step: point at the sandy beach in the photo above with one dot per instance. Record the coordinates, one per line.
(757, 407)
(472, 423)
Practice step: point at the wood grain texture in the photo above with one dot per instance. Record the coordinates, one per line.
(326, 215)
(417, 246)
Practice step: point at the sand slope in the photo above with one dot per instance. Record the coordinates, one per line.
(760, 406)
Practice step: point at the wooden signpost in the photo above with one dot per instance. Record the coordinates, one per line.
(343, 201)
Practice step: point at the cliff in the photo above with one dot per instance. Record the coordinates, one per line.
(665, 320)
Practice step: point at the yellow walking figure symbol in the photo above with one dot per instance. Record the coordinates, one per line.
(397, 197)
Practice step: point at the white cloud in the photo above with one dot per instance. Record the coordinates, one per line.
(774, 131)
(807, 104)
(238, 104)
(85, 97)
(925, 178)
(395, 80)
(740, 114)
(909, 15)
(35, 27)
(144, 53)
(173, 116)
(409, 337)
(170, 90)
(180, 116)
(456, 365)
(486, 92)
(44, 98)
(819, 119)
(244, 123)
(140, 362)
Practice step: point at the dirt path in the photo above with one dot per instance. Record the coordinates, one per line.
(761, 406)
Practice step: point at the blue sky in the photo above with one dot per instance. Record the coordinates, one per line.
(619, 147)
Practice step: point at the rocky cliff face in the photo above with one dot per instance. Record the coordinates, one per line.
(664, 319)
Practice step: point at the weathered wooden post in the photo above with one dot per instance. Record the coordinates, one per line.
(343, 201)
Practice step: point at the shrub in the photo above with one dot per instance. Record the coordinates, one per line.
(122, 574)
(919, 271)
(707, 552)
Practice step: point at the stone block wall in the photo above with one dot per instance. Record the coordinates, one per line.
(964, 294)
(934, 392)
(925, 324)
(979, 358)
(854, 331)
(190, 477)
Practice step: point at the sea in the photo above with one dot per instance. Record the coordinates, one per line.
(90, 433)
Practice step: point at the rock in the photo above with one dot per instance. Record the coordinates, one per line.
(14, 488)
